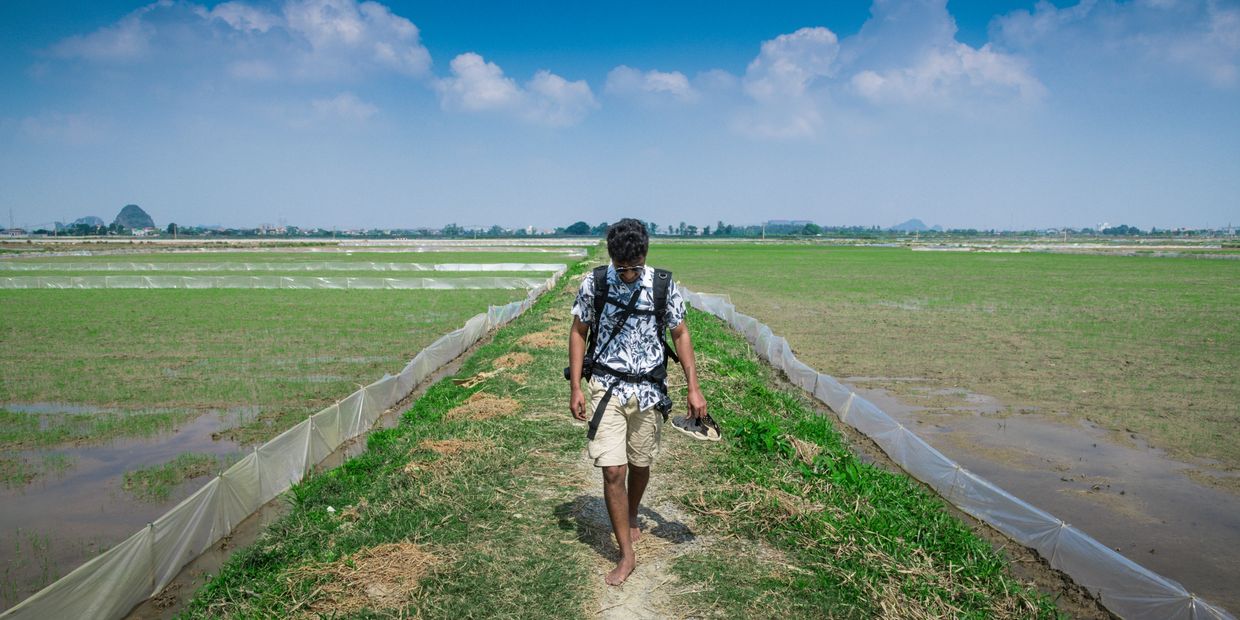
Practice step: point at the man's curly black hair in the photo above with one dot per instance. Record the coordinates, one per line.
(627, 241)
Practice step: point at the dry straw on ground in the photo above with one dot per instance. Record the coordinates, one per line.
(447, 449)
(382, 577)
(549, 339)
(469, 382)
(513, 360)
(484, 406)
(806, 451)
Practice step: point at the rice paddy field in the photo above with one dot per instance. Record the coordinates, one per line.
(116, 403)
(1104, 389)
(1146, 344)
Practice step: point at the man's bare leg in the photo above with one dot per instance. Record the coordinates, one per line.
(638, 477)
(617, 499)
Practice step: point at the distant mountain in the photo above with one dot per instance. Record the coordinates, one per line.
(89, 220)
(132, 216)
(913, 225)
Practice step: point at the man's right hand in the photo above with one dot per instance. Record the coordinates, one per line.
(577, 404)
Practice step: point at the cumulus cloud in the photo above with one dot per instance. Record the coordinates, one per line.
(305, 39)
(779, 83)
(1147, 40)
(650, 86)
(788, 63)
(905, 55)
(477, 85)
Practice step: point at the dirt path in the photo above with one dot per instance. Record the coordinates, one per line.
(668, 532)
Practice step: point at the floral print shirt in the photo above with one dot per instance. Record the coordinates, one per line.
(636, 349)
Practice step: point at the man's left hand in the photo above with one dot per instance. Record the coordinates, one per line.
(697, 404)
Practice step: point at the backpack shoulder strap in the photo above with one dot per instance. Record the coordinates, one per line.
(600, 292)
(662, 282)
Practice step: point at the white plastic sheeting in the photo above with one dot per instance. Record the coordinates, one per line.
(110, 585)
(314, 266)
(266, 282)
(1124, 587)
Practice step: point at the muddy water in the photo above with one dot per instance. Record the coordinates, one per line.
(60, 520)
(1132, 498)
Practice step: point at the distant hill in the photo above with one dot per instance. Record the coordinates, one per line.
(89, 220)
(132, 216)
(913, 225)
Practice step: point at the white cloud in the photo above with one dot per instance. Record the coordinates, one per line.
(907, 53)
(477, 85)
(242, 16)
(788, 63)
(1148, 41)
(651, 86)
(779, 83)
(947, 74)
(306, 39)
(126, 40)
(345, 106)
(557, 101)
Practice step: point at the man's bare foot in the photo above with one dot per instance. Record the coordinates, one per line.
(621, 572)
(635, 534)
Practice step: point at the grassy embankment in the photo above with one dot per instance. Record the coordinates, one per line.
(1147, 344)
(478, 509)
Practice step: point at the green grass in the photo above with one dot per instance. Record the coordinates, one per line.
(1148, 344)
(853, 539)
(289, 353)
(156, 483)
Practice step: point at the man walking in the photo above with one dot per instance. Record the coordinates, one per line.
(617, 344)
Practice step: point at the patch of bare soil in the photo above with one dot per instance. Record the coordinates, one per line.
(513, 360)
(549, 339)
(382, 577)
(484, 406)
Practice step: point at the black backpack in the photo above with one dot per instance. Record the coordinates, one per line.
(590, 365)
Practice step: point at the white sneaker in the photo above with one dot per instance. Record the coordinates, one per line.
(704, 429)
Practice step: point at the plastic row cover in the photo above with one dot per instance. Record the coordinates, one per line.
(111, 584)
(265, 282)
(1123, 586)
(285, 266)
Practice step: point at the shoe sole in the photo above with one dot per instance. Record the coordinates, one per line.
(696, 435)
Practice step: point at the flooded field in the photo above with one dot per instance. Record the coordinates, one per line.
(1162, 513)
(117, 404)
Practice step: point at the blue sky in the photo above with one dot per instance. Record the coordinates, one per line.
(1001, 114)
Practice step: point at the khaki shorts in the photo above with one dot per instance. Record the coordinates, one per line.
(626, 435)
